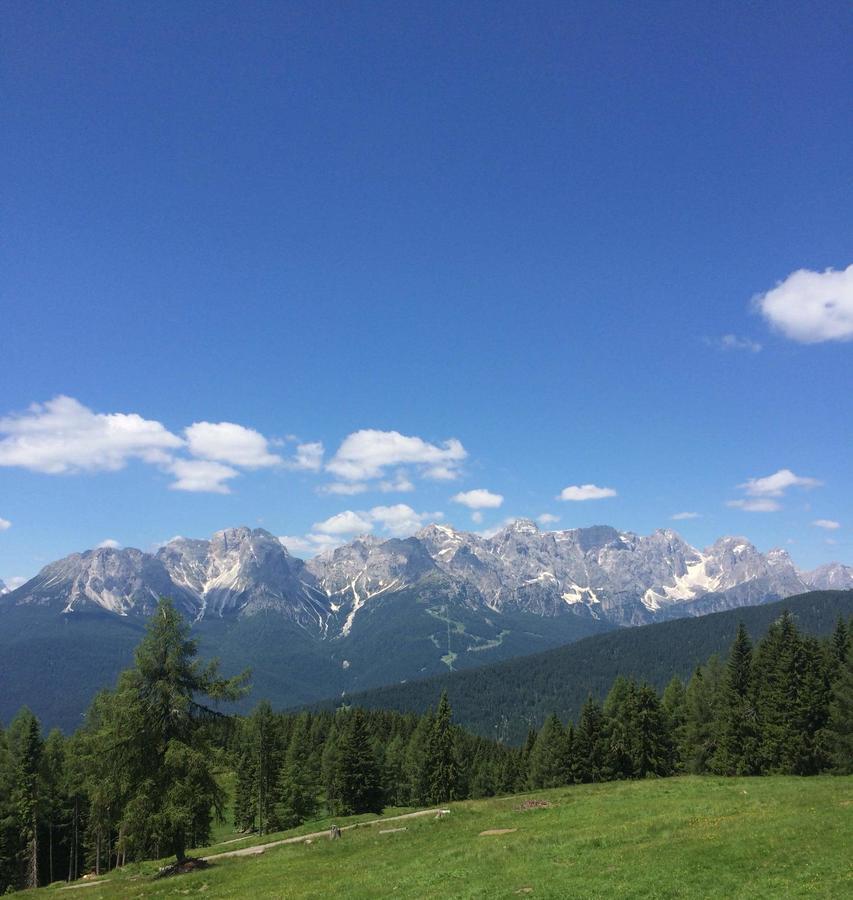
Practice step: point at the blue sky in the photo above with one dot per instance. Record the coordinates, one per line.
(548, 245)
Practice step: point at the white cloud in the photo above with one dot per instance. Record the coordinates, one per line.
(310, 544)
(679, 517)
(398, 520)
(477, 517)
(366, 454)
(757, 505)
(734, 342)
(547, 519)
(110, 544)
(811, 307)
(308, 457)
(5, 524)
(479, 498)
(15, 582)
(344, 488)
(579, 492)
(347, 522)
(828, 524)
(399, 484)
(63, 436)
(201, 475)
(229, 443)
(776, 484)
(401, 520)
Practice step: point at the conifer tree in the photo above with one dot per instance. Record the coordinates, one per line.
(703, 703)
(674, 702)
(155, 737)
(839, 731)
(359, 781)
(548, 766)
(737, 751)
(297, 788)
(442, 769)
(590, 743)
(27, 797)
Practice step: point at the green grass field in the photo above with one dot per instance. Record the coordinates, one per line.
(679, 837)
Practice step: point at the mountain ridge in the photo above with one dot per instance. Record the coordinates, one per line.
(617, 576)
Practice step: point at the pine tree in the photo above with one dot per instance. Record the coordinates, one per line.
(359, 781)
(841, 641)
(702, 709)
(297, 788)
(27, 797)
(548, 766)
(442, 771)
(839, 731)
(590, 743)
(154, 743)
(674, 703)
(737, 751)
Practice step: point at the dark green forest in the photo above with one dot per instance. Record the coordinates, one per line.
(143, 777)
(504, 700)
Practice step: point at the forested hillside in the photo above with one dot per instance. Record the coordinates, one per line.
(506, 699)
(146, 776)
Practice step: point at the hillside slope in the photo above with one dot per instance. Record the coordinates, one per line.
(505, 699)
(676, 837)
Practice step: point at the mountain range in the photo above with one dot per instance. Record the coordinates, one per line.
(372, 611)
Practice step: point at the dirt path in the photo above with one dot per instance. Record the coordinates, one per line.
(299, 839)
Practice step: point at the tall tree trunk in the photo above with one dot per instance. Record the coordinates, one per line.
(33, 850)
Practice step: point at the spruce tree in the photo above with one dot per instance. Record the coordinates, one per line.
(27, 798)
(359, 781)
(297, 790)
(737, 751)
(442, 769)
(590, 743)
(839, 730)
(548, 766)
(674, 702)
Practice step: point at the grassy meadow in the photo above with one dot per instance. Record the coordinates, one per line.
(677, 837)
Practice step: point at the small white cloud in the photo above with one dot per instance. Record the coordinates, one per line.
(366, 454)
(15, 582)
(734, 342)
(110, 544)
(759, 504)
(343, 488)
(200, 476)
(776, 484)
(811, 307)
(580, 492)
(547, 519)
(308, 457)
(828, 524)
(477, 517)
(400, 520)
(346, 522)
(310, 544)
(479, 498)
(399, 484)
(62, 436)
(5, 524)
(680, 517)
(229, 443)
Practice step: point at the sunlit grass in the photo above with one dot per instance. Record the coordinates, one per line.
(681, 837)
